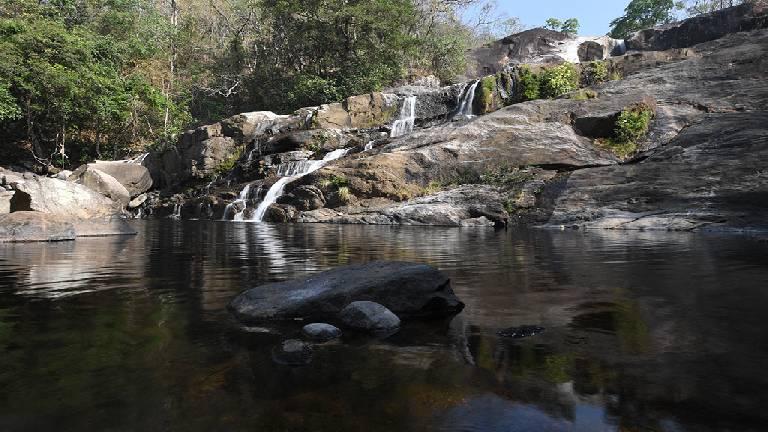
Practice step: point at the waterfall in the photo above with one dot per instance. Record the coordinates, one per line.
(242, 200)
(176, 211)
(368, 146)
(466, 107)
(404, 124)
(300, 169)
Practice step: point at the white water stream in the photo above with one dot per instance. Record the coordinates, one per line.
(466, 107)
(404, 124)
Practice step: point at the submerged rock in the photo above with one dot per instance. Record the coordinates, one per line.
(369, 316)
(321, 332)
(521, 332)
(292, 352)
(410, 290)
(30, 226)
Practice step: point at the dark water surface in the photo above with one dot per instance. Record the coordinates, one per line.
(644, 332)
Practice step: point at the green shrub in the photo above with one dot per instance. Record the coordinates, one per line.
(487, 87)
(583, 94)
(632, 125)
(338, 181)
(529, 85)
(594, 73)
(345, 196)
(559, 80)
(229, 163)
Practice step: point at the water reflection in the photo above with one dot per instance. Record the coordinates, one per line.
(644, 331)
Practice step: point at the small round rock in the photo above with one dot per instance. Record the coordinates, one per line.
(292, 352)
(321, 332)
(369, 316)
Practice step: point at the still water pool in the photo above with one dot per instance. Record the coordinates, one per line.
(644, 332)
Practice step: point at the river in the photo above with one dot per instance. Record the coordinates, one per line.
(643, 332)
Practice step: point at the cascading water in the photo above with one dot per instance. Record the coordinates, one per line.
(466, 106)
(404, 124)
(299, 170)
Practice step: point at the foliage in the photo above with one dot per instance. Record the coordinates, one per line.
(641, 14)
(569, 26)
(632, 125)
(529, 85)
(583, 94)
(559, 80)
(593, 73)
(229, 163)
(345, 196)
(697, 7)
(487, 88)
(338, 181)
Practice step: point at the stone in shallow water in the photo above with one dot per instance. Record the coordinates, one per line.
(321, 332)
(292, 352)
(520, 332)
(410, 290)
(369, 316)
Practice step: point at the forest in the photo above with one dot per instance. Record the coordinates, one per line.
(85, 79)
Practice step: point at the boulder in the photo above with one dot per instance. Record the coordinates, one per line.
(31, 226)
(591, 51)
(58, 197)
(321, 332)
(332, 116)
(304, 198)
(702, 28)
(133, 176)
(102, 183)
(369, 316)
(375, 109)
(408, 289)
(205, 158)
(5, 201)
(138, 201)
(292, 352)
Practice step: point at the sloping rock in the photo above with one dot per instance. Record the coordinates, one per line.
(702, 28)
(30, 226)
(5, 201)
(408, 289)
(102, 183)
(332, 116)
(57, 197)
(713, 175)
(134, 177)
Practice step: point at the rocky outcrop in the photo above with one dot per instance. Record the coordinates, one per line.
(541, 46)
(407, 289)
(30, 226)
(102, 183)
(713, 175)
(702, 28)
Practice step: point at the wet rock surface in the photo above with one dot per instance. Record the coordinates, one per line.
(409, 290)
(321, 332)
(29, 226)
(292, 352)
(521, 331)
(369, 317)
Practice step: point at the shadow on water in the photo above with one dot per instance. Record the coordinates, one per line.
(644, 332)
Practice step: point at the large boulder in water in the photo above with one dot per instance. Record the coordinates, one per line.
(58, 197)
(408, 289)
(133, 176)
(102, 183)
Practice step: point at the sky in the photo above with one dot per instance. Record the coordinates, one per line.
(593, 15)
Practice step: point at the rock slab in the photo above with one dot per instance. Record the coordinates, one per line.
(409, 290)
(29, 226)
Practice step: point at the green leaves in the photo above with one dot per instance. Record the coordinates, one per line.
(641, 14)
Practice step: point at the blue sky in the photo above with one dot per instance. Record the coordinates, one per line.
(594, 15)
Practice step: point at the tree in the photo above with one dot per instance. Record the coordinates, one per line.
(553, 24)
(697, 7)
(641, 14)
(569, 26)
